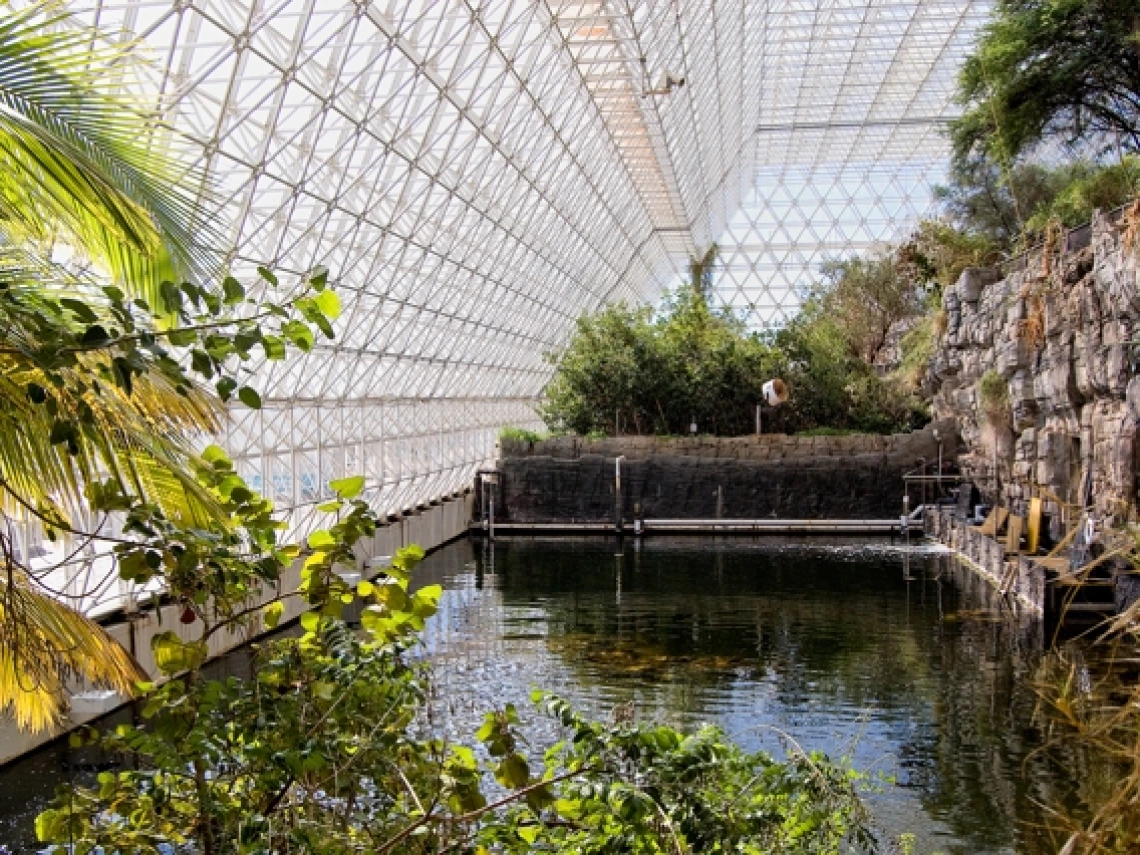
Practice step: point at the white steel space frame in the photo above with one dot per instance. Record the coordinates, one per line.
(477, 173)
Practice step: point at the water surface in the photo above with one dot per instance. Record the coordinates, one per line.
(901, 660)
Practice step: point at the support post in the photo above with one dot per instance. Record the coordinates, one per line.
(757, 421)
(617, 493)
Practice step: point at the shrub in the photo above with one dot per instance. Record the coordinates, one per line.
(626, 371)
(993, 396)
(517, 434)
(1086, 188)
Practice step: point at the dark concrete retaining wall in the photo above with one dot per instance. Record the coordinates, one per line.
(560, 480)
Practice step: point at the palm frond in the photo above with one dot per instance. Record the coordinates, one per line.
(46, 643)
(82, 163)
(146, 438)
(145, 442)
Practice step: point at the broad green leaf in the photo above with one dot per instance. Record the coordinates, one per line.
(271, 614)
(513, 771)
(268, 275)
(464, 756)
(172, 654)
(299, 333)
(225, 387)
(52, 827)
(408, 557)
(249, 397)
(329, 304)
(394, 597)
(310, 621)
(215, 454)
(133, 567)
(321, 539)
(274, 347)
(426, 601)
(232, 290)
(348, 488)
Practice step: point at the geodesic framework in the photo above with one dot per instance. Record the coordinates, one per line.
(477, 173)
(850, 139)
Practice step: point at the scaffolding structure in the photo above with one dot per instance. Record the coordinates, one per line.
(477, 173)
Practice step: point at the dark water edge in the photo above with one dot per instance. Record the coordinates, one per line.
(904, 661)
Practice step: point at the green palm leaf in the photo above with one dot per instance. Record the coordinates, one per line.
(82, 164)
(45, 644)
(144, 438)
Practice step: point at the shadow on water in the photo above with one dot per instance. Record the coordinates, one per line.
(904, 661)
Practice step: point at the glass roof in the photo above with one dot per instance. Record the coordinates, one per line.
(477, 173)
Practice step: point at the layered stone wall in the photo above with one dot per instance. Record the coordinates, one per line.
(849, 477)
(1058, 331)
(775, 446)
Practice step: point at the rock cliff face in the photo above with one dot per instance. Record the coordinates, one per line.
(1059, 333)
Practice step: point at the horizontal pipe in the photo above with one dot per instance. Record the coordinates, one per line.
(774, 523)
(724, 526)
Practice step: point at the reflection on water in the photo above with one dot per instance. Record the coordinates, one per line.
(903, 662)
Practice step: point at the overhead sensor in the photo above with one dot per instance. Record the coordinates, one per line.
(665, 85)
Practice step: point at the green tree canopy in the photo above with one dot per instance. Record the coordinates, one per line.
(1067, 69)
(996, 208)
(868, 294)
(627, 371)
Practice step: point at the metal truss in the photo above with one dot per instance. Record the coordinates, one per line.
(477, 173)
(855, 98)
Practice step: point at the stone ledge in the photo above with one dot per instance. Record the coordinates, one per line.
(920, 443)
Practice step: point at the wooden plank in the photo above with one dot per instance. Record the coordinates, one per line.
(1013, 534)
(1056, 563)
(995, 522)
(1033, 530)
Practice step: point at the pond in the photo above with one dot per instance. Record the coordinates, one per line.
(900, 659)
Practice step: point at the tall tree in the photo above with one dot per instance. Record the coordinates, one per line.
(1067, 69)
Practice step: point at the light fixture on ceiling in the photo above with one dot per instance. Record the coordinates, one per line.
(665, 85)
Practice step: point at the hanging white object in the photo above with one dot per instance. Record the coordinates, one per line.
(775, 392)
